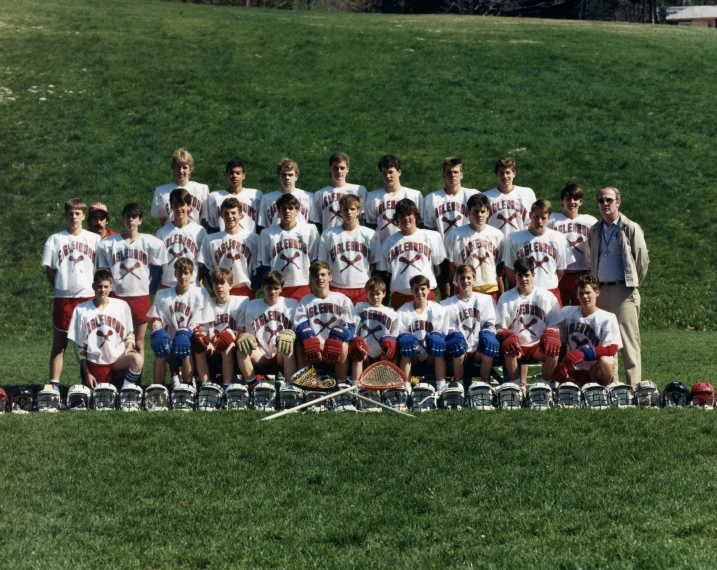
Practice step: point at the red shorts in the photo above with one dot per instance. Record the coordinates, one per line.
(297, 293)
(581, 377)
(556, 292)
(101, 372)
(529, 351)
(399, 299)
(242, 291)
(138, 306)
(356, 295)
(62, 311)
(567, 288)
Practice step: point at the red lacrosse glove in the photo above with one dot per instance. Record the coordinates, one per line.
(200, 341)
(333, 349)
(550, 342)
(388, 348)
(561, 374)
(509, 343)
(222, 340)
(572, 358)
(358, 349)
(312, 349)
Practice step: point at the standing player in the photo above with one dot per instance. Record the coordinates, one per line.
(133, 258)
(249, 200)
(326, 212)
(234, 248)
(411, 252)
(101, 330)
(288, 173)
(290, 247)
(182, 165)
(97, 220)
(575, 227)
(70, 260)
(445, 211)
(351, 250)
(509, 204)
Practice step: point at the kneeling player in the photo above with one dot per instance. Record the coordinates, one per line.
(268, 338)
(103, 335)
(593, 335)
(528, 318)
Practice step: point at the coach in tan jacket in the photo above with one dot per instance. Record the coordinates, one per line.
(617, 257)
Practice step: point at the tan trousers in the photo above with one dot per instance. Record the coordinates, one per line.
(625, 303)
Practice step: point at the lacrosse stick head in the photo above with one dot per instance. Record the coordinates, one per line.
(211, 397)
(130, 398)
(105, 397)
(382, 376)
(453, 396)
(509, 396)
(676, 394)
(48, 400)
(621, 395)
(310, 378)
(79, 397)
(481, 396)
(343, 402)
(290, 396)
(540, 396)
(423, 398)
(703, 395)
(596, 396)
(647, 395)
(371, 395)
(184, 398)
(263, 397)
(569, 395)
(237, 397)
(156, 398)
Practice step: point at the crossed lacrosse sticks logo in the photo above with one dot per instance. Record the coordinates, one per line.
(450, 224)
(290, 261)
(408, 262)
(469, 332)
(177, 254)
(574, 244)
(371, 332)
(527, 327)
(324, 325)
(104, 337)
(269, 332)
(388, 221)
(129, 270)
(481, 259)
(75, 261)
(508, 221)
(350, 263)
(539, 264)
(334, 213)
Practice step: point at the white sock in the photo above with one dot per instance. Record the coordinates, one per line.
(440, 385)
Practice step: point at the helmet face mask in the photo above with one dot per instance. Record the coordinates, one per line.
(481, 396)
(569, 395)
(156, 398)
(344, 402)
(22, 400)
(105, 397)
(310, 396)
(596, 396)
(211, 397)
(48, 400)
(676, 394)
(621, 395)
(79, 397)
(703, 396)
(131, 398)
(263, 398)
(184, 398)
(540, 397)
(453, 396)
(423, 398)
(510, 396)
(237, 397)
(647, 395)
(372, 395)
(397, 398)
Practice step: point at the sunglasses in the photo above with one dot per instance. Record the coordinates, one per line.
(606, 200)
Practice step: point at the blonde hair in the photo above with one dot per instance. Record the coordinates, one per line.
(182, 156)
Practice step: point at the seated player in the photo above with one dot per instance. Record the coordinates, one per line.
(471, 322)
(249, 200)
(288, 172)
(101, 330)
(175, 314)
(289, 248)
(268, 339)
(351, 250)
(98, 219)
(593, 336)
(182, 166)
(326, 211)
(376, 329)
(324, 324)
(421, 329)
(528, 321)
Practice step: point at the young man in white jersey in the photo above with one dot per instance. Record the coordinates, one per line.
(478, 245)
(249, 200)
(547, 248)
(183, 238)
(101, 330)
(528, 321)
(324, 324)
(445, 211)
(326, 212)
(575, 227)
(182, 166)
(352, 251)
(593, 336)
(411, 252)
(289, 248)
(288, 172)
(234, 248)
(134, 260)
(70, 260)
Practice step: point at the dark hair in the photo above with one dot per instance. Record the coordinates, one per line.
(387, 161)
(585, 280)
(505, 162)
(288, 200)
(524, 265)
(406, 207)
(419, 280)
(102, 275)
(133, 209)
(180, 196)
(230, 203)
(272, 278)
(479, 201)
(573, 190)
(339, 157)
(233, 163)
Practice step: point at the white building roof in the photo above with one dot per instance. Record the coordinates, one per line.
(677, 13)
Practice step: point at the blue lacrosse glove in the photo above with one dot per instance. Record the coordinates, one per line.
(436, 343)
(488, 343)
(304, 331)
(344, 334)
(407, 344)
(456, 344)
(161, 345)
(589, 351)
(182, 343)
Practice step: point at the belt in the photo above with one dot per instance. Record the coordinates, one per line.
(611, 283)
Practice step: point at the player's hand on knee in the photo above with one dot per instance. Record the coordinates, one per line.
(200, 341)
(246, 343)
(285, 341)
(312, 349)
(160, 343)
(388, 348)
(572, 358)
(182, 343)
(509, 343)
(333, 350)
(550, 342)
(588, 351)
(456, 345)
(436, 343)
(358, 349)
(222, 341)
(488, 343)
(561, 373)
(407, 344)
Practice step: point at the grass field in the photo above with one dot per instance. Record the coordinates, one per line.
(95, 96)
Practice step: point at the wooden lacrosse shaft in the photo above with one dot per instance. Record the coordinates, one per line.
(379, 404)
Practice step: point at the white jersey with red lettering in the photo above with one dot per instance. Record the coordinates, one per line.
(510, 212)
(290, 252)
(528, 316)
(74, 259)
(129, 262)
(576, 233)
(372, 323)
(265, 321)
(249, 199)
(239, 252)
(187, 241)
(176, 311)
(598, 329)
(326, 210)
(445, 213)
(101, 332)
(198, 210)
(269, 213)
(380, 207)
(405, 256)
(481, 250)
(350, 255)
(229, 315)
(322, 314)
(470, 316)
(549, 252)
(433, 318)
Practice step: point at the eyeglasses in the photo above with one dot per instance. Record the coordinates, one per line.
(606, 200)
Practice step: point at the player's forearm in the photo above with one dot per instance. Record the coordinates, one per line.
(50, 274)
(560, 273)
(510, 276)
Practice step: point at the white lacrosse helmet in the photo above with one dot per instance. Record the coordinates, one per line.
(290, 396)
(344, 402)
(211, 397)
(371, 395)
(156, 398)
(423, 398)
(569, 395)
(48, 400)
(184, 398)
(397, 398)
(481, 396)
(105, 397)
(596, 396)
(510, 396)
(79, 397)
(310, 396)
(452, 396)
(647, 394)
(237, 397)
(540, 396)
(130, 398)
(263, 398)
(620, 395)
